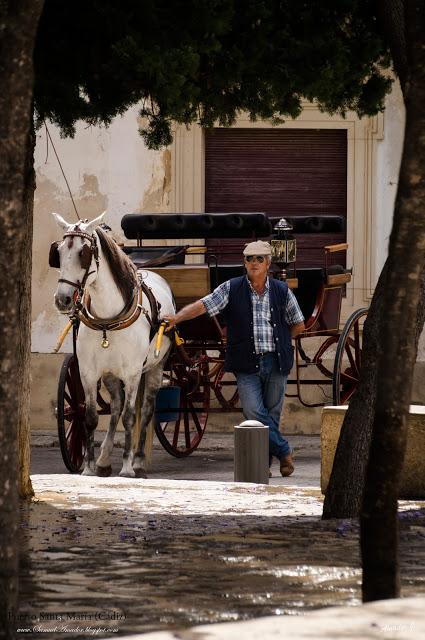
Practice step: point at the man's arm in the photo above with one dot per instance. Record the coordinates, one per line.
(294, 316)
(187, 313)
(212, 304)
(296, 329)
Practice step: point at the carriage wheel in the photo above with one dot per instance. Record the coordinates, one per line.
(71, 409)
(182, 436)
(348, 359)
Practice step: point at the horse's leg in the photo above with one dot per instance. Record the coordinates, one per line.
(90, 423)
(128, 420)
(153, 381)
(116, 391)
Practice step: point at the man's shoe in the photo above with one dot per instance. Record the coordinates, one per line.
(287, 466)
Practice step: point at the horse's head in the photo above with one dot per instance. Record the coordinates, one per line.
(76, 257)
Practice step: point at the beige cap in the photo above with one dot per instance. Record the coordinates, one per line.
(258, 248)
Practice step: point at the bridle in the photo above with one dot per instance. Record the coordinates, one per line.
(88, 252)
(127, 316)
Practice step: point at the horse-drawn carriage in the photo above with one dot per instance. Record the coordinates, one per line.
(194, 381)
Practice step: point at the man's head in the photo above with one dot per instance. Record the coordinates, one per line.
(257, 258)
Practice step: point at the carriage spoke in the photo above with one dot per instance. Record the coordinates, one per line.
(346, 378)
(70, 383)
(351, 359)
(195, 418)
(69, 413)
(186, 430)
(68, 432)
(176, 434)
(347, 395)
(357, 345)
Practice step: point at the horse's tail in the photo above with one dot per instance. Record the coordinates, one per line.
(138, 425)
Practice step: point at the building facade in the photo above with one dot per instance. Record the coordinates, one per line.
(317, 164)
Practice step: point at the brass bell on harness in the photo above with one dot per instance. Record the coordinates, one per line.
(105, 341)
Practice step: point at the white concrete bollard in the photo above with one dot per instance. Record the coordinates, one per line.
(252, 452)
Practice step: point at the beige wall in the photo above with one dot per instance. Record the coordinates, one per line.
(111, 169)
(107, 169)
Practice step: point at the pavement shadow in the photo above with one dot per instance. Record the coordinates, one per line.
(115, 571)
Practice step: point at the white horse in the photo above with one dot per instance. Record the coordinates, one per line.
(91, 262)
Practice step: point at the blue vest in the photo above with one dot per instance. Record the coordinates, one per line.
(240, 351)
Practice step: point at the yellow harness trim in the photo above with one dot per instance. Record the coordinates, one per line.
(62, 337)
(179, 341)
(159, 338)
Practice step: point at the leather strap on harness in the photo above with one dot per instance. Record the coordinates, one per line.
(128, 315)
(155, 308)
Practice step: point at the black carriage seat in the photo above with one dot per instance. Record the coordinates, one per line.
(195, 225)
(325, 223)
(160, 255)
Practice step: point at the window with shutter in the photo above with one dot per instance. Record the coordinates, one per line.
(283, 172)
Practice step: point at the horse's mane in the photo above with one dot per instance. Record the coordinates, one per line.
(122, 269)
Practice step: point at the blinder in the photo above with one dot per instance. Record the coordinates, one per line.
(86, 255)
(54, 258)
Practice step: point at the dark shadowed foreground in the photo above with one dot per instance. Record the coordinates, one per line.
(114, 556)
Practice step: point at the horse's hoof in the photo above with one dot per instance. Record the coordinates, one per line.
(127, 474)
(140, 473)
(87, 471)
(103, 472)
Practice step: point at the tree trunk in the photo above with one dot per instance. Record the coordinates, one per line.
(24, 354)
(379, 523)
(18, 27)
(345, 489)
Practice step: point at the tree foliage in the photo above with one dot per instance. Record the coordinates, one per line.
(205, 60)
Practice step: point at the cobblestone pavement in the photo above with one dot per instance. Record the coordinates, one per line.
(113, 556)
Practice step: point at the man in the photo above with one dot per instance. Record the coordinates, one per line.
(262, 316)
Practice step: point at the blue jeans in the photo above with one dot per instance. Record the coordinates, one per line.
(262, 394)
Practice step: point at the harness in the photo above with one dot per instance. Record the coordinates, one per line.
(129, 314)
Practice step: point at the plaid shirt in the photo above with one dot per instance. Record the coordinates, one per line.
(263, 331)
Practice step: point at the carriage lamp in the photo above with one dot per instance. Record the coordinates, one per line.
(284, 247)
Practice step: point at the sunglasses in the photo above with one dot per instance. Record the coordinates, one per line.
(259, 259)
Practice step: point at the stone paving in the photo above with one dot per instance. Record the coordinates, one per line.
(116, 556)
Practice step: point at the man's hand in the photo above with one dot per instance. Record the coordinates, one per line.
(187, 313)
(171, 322)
